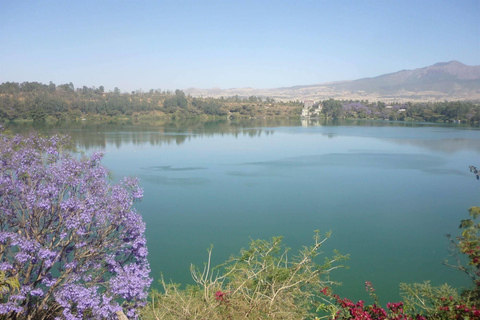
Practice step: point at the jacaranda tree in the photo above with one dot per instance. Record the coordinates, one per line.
(67, 234)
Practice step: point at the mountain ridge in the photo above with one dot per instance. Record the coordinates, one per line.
(451, 80)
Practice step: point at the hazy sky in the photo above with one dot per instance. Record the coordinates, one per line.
(229, 44)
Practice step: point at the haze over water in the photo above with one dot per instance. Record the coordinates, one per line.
(388, 192)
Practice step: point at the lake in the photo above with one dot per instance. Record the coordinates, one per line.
(388, 191)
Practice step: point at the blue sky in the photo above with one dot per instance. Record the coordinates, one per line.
(229, 44)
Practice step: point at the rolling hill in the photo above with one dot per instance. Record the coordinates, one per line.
(442, 81)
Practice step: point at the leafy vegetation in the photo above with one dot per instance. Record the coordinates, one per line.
(262, 282)
(8, 284)
(40, 102)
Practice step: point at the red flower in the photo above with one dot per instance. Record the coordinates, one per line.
(220, 296)
(325, 291)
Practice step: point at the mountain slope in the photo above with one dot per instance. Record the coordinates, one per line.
(446, 78)
(442, 81)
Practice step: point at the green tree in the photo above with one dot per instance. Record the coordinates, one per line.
(181, 99)
(170, 104)
(332, 108)
(51, 87)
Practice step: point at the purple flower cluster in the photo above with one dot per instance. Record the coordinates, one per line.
(71, 238)
(356, 109)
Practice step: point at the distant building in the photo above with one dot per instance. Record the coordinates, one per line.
(307, 111)
(308, 103)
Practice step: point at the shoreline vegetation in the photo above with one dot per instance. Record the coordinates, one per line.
(37, 102)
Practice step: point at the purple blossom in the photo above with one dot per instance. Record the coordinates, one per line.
(130, 281)
(5, 266)
(46, 254)
(37, 292)
(4, 236)
(9, 307)
(22, 257)
(49, 281)
(71, 265)
(78, 235)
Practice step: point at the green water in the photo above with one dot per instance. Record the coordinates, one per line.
(389, 192)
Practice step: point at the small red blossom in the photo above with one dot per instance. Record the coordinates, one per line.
(395, 307)
(325, 291)
(220, 296)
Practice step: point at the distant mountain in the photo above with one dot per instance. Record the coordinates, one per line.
(442, 81)
(448, 78)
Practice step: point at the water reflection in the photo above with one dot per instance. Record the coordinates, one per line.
(444, 145)
(88, 135)
(100, 135)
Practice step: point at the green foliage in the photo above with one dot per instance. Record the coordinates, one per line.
(170, 104)
(8, 284)
(40, 102)
(441, 302)
(332, 108)
(468, 243)
(261, 282)
(425, 299)
(474, 212)
(181, 99)
(38, 114)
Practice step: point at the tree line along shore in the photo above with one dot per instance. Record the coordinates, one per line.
(50, 102)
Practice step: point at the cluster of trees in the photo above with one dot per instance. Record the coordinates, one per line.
(37, 101)
(446, 111)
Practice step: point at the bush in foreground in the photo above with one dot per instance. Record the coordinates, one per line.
(262, 282)
(71, 240)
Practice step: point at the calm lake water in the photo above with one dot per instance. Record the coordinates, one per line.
(389, 192)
